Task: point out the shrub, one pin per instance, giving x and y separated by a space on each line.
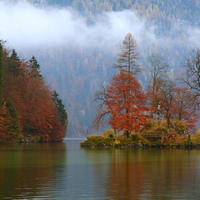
195 139
116 142
134 137
111 135
175 140
108 133
179 125
120 137
155 128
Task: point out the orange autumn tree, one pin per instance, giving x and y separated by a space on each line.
33 100
126 103
122 101
28 109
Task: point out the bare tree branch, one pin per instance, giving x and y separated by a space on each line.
192 75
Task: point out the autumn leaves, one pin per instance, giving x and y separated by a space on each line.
29 110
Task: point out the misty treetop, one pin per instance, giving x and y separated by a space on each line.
29 110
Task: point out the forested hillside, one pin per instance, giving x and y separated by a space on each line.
159 11
82 45
29 110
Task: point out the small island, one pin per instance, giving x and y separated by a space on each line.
142 140
165 115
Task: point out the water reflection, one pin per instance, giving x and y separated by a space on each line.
64 171
154 174
126 175
28 170
87 175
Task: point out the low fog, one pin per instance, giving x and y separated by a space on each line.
25 26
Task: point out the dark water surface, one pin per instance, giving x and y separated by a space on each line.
64 171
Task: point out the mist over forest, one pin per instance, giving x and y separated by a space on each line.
76 42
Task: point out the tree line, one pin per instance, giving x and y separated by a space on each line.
127 108
162 13
29 109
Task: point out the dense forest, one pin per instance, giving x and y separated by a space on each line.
79 65
160 12
29 110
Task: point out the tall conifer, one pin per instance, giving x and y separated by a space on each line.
62 114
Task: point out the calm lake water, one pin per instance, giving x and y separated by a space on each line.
63 171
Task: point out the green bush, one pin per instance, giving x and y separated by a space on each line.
134 137
108 133
111 135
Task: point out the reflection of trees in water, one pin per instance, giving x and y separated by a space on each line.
28 170
151 174
126 175
98 163
173 173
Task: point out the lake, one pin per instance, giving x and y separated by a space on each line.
64 171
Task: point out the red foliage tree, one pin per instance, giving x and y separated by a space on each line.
126 103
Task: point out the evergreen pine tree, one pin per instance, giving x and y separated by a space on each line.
62 113
35 67
14 63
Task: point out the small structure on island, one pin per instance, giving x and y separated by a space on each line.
158 115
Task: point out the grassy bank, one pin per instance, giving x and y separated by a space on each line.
143 141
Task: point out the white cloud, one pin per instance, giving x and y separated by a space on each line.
194 37
24 25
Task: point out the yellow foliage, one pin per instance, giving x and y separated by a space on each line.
116 142
195 139
179 125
